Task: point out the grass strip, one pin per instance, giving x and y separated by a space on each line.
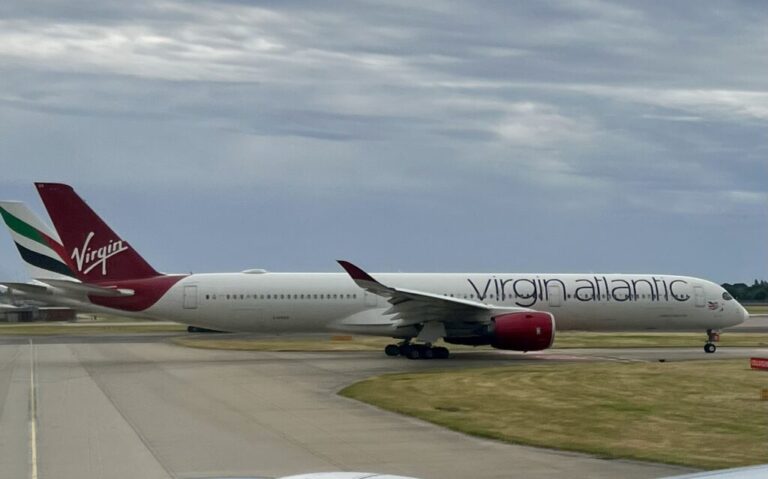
757 308
705 414
563 340
358 343
79 330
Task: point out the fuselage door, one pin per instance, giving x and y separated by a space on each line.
698 296
190 297
554 294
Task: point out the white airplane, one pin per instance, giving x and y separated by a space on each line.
89 267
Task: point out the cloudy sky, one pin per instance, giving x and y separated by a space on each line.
570 136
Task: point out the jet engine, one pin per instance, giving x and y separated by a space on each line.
524 331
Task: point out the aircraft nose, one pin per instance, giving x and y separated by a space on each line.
744 313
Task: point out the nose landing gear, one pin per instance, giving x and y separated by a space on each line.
712 337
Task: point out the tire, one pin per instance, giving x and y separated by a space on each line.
392 350
427 353
405 349
441 352
414 353
710 348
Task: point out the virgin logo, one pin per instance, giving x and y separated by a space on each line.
89 258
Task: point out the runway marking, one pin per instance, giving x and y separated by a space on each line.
32 413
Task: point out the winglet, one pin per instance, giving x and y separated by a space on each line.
363 279
356 273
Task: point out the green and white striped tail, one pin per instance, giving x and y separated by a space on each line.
38 245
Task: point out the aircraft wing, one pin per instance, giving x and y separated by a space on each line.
415 307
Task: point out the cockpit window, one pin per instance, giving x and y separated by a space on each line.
727 296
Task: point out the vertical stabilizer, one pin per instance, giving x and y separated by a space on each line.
95 252
39 246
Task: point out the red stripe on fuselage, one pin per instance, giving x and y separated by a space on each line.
147 292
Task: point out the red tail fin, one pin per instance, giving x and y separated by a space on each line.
97 253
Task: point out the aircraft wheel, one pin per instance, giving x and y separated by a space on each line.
441 352
413 353
392 350
405 349
710 348
427 353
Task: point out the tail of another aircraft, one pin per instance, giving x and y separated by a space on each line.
94 252
38 245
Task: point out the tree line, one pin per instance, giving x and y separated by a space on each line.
757 291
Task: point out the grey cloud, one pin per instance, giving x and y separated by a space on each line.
548 109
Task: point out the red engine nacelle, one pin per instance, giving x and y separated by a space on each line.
524 331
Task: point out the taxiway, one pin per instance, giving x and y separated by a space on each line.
127 406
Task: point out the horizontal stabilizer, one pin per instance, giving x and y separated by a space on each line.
91 289
30 288
71 287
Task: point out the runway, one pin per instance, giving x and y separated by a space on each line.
133 406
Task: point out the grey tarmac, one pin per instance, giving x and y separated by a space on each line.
128 406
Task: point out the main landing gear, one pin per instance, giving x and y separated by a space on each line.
416 351
712 338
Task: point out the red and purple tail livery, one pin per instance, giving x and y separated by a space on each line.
96 252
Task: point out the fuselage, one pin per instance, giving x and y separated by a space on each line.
321 302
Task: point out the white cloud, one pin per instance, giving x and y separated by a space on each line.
709 102
534 125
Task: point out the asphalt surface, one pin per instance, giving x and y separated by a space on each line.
136 406
757 323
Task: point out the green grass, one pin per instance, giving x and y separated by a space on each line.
563 340
757 308
698 413
357 343
47 329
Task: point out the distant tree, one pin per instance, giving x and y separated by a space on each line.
758 291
